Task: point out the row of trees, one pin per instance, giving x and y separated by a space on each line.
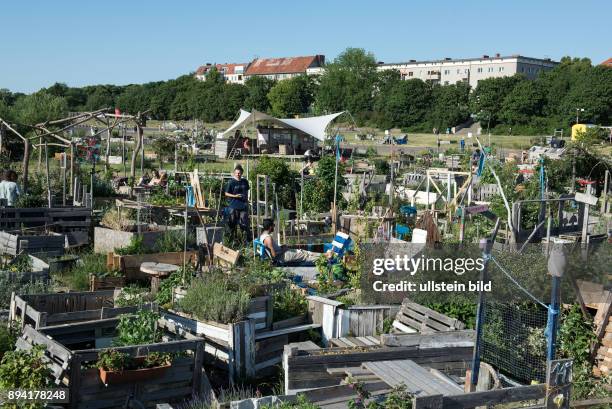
378 98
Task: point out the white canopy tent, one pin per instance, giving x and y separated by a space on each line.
313 126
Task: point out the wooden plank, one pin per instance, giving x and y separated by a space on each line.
299 328
435 340
488 398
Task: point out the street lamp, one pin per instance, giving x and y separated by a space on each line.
578 110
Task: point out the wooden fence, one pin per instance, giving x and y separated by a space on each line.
41 310
71 366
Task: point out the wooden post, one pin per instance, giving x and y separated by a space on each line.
39 153
47 172
556 267
604 202
26 163
559 384
488 246
428 402
123 151
108 146
137 147
585 220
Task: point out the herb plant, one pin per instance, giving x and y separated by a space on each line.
138 329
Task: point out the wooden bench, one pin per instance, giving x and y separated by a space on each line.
413 317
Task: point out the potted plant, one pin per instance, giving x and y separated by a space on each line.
117 367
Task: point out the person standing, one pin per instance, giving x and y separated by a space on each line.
9 189
237 191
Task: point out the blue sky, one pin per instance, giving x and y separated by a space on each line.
122 42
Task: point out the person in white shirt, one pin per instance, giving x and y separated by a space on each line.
285 255
9 189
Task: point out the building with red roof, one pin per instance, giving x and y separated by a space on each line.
233 73
287 67
607 63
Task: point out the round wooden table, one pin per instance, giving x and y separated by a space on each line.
157 271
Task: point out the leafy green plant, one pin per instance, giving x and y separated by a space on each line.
172 241
24 370
20 264
132 296
77 278
216 299
137 329
8 337
136 246
167 286
289 303
155 359
113 360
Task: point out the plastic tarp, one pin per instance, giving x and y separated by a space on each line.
314 126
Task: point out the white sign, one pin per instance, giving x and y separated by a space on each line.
586 198
419 236
115 160
470 135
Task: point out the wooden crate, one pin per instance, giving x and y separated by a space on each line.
105 283
71 366
41 310
414 317
339 320
130 265
247 348
15 243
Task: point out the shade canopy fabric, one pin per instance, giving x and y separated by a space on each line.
313 126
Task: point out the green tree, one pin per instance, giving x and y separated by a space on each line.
280 175
319 190
404 105
486 100
523 103
450 105
348 83
39 107
258 88
291 97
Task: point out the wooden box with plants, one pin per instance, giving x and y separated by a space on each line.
41 310
24 274
129 360
168 248
235 314
118 232
29 241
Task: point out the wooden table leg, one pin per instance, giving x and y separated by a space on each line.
155 284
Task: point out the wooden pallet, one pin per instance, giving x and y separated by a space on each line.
413 317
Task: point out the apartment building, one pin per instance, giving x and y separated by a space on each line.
470 70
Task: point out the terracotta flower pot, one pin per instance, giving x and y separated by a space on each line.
132 375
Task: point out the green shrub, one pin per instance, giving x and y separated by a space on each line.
132 296
24 370
216 299
172 241
167 286
137 329
136 246
77 278
8 286
8 337
289 303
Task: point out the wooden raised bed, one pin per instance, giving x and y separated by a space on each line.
41 310
15 243
73 221
339 320
107 240
71 350
40 272
244 349
308 369
130 265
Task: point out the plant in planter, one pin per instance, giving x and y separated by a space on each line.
8 337
117 367
138 329
216 299
132 296
288 304
175 280
136 246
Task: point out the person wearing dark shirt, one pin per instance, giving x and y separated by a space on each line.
237 191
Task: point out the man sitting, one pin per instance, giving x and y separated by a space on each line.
284 255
